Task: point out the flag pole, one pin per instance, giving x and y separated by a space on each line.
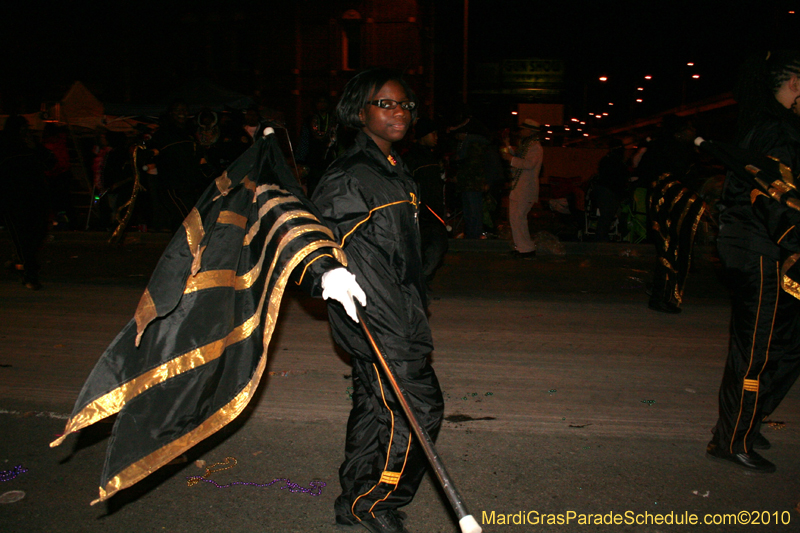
466 521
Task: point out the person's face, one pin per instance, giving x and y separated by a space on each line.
179 114
251 117
793 85
386 126
687 135
430 139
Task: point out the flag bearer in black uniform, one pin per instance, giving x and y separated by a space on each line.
370 201
754 241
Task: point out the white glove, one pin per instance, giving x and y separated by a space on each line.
341 285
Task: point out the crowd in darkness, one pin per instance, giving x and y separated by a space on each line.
466 173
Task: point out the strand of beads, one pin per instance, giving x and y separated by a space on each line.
8 475
230 462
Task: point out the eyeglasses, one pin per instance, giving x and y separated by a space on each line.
385 103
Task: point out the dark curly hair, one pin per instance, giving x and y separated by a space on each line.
760 78
359 90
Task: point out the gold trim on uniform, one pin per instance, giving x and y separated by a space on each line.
370 214
303 274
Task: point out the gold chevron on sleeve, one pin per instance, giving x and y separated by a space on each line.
751 385
392 478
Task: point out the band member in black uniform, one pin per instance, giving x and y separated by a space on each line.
673 209
764 352
369 200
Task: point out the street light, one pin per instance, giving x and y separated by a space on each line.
603 78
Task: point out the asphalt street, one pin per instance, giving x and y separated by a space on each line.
567 401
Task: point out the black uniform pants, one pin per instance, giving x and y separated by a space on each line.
384 463
764 352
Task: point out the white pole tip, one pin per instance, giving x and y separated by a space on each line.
469 525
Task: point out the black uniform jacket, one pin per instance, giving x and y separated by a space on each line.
762 227
372 208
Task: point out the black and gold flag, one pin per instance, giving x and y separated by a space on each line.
674 212
192 357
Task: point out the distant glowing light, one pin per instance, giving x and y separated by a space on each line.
640 88
547 138
550 132
648 77
605 114
611 103
689 64
791 12
585 134
639 100
583 123
591 114
603 78
696 76
575 120
514 113
566 128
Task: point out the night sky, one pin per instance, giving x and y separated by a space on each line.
48 45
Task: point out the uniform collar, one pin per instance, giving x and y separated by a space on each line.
368 146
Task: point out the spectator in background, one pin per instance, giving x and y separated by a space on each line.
317 146
526 164
180 179
426 168
610 187
59 178
213 159
23 204
471 178
117 178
